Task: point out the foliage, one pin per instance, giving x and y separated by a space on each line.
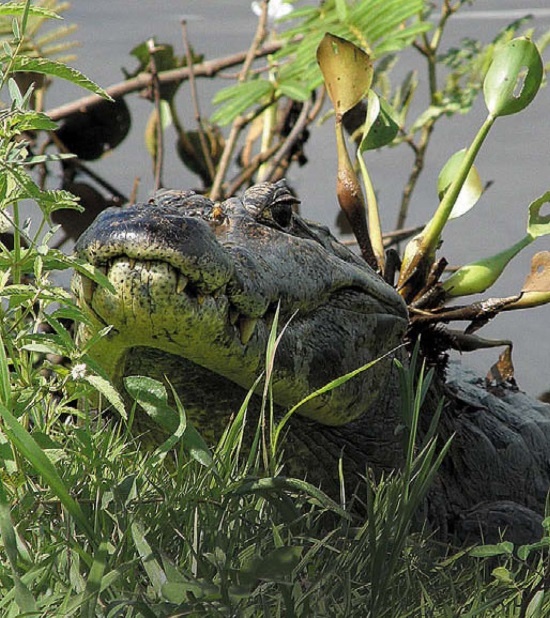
92 523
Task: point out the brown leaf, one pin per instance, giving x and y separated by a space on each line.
503 370
538 280
347 71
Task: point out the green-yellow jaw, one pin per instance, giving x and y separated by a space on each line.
201 282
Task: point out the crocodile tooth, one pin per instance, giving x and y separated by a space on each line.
88 287
201 298
233 315
181 284
131 263
220 291
246 328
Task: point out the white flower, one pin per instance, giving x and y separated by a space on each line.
78 371
276 10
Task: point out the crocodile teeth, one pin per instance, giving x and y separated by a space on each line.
88 287
233 316
181 284
131 263
246 328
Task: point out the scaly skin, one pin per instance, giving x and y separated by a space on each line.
196 286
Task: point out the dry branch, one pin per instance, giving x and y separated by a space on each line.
209 68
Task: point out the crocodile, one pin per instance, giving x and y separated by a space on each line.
195 287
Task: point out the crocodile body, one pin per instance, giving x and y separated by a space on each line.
196 288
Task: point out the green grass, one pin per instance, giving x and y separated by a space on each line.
94 523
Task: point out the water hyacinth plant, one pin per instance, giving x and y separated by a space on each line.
512 81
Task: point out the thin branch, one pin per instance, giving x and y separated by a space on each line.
302 121
158 156
194 97
215 192
248 172
209 68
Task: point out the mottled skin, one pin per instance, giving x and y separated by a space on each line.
196 287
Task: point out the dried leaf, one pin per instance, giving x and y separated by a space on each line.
538 280
347 71
503 370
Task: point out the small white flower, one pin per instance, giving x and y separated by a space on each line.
276 10
78 371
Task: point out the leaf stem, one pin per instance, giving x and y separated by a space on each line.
435 226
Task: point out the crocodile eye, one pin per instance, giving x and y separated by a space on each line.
281 213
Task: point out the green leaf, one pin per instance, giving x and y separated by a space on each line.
57 69
342 9
488 551
152 127
503 575
347 71
538 225
381 125
281 483
12 8
152 567
28 447
151 395
240 98
8 534
110 393
294 90
514 77
471 190
94 580
276 566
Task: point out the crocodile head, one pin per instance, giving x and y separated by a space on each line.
201 281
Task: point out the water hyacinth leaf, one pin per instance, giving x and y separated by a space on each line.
538 280
347 71
538 225
478 276
536 289
381 125
514 77
471 190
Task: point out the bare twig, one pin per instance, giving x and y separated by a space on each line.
301 123
209 68
248 172
159 147
225 160
204 145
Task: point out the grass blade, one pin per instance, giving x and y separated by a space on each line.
27 446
